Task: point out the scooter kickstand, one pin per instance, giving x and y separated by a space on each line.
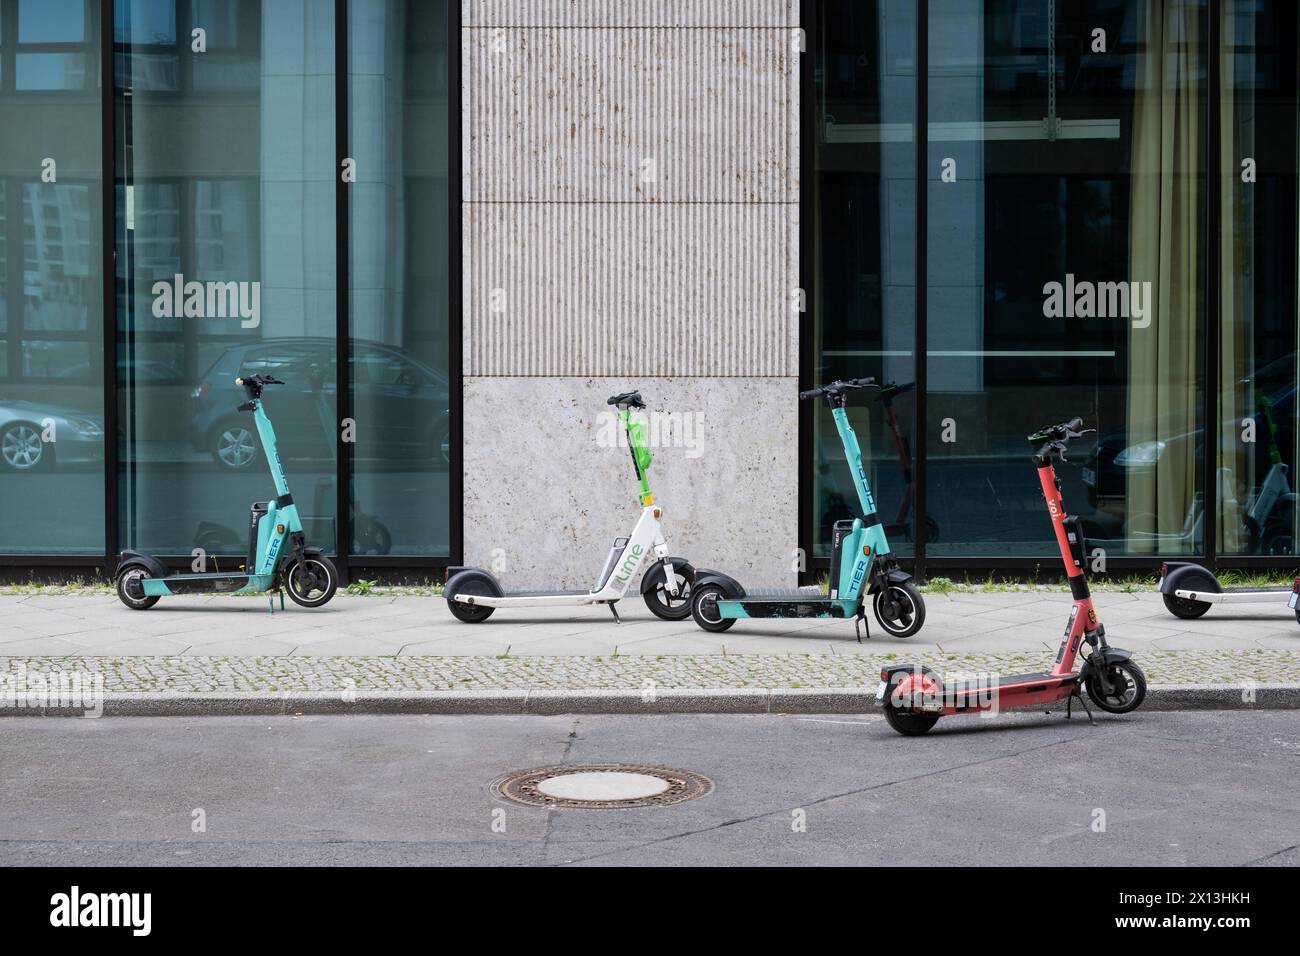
1069 701
613 610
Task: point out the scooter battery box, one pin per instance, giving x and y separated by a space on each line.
255 516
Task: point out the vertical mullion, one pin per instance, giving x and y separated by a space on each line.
1213 315
343 342
108 311
455 353
808 344
921 344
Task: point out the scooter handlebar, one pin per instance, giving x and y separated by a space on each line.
838 387
1054 438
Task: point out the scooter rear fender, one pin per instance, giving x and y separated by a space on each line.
155 567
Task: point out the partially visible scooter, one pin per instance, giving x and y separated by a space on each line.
914 698
1190 590
473 593
278 555
901 525
861 562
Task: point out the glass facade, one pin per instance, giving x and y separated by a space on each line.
1080 257
224 249
400 308
51 284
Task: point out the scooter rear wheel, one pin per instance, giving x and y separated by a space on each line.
1185 608
909 723
469 613
129 590
312 582
704 608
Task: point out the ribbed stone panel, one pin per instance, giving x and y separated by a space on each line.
598 289
629 13
655 115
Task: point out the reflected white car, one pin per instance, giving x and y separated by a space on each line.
34 435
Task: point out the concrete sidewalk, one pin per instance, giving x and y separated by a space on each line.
959 623
406 654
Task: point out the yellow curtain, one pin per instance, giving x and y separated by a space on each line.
1164 241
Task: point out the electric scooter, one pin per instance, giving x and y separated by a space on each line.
901 525
1190 590
914 698
473 593
860 561
310 578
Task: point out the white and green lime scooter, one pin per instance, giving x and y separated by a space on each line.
278 555
473 593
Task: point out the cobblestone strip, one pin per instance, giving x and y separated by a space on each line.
137 675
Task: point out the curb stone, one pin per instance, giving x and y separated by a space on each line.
1163 697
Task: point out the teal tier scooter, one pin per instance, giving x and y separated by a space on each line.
278 556
861 562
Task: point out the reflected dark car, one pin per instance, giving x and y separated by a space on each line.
400 404
78 437
1108 469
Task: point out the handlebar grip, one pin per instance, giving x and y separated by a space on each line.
1074 424
811 393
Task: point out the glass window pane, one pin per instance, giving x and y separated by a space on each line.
400 278
225 266
51 21
1259 203
51 291
1066 267
864 253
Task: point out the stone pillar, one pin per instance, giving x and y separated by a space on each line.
630 221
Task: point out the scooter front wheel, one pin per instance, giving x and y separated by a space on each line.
900 609
130 588
311 582
1130 688
664 605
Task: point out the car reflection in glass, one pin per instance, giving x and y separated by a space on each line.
34 436
1267 511
404 403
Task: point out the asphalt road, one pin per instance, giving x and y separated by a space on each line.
1175 788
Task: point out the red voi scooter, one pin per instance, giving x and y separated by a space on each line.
914 698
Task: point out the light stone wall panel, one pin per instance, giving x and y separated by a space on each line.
629 13
546 493
638 116
601 289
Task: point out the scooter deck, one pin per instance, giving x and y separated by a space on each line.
1032 687
792 602
532 594
211 582
1235 594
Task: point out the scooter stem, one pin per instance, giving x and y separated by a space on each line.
1056 508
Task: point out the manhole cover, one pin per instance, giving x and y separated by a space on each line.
602 786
